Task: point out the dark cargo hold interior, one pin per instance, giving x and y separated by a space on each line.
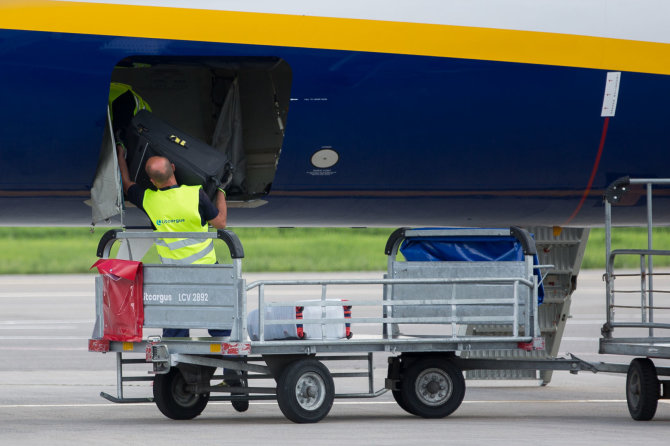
237 105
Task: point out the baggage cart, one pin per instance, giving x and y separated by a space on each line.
638 308
416 322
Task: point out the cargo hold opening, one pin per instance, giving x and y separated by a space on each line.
238 105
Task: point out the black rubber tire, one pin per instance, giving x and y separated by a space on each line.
642 389
240 405
397 394
398 397
173 400
305 391
432 388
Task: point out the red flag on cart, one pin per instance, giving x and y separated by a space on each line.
123 306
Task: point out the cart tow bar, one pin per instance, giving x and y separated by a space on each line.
573 364
582 365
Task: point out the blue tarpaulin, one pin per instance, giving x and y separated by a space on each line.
467 249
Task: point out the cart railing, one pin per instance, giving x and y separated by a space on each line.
227 236
448 299
185 296
649 302
638 293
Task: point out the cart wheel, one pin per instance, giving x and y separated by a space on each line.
397 395
172 398
305 391
642 389
240 405
432 388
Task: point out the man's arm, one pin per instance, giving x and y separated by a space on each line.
219 222
123 166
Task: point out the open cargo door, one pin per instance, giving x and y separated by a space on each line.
228 136
238 105
107 192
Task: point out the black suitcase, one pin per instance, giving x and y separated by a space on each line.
196 163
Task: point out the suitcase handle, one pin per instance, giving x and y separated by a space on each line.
177 140
213 183
210 187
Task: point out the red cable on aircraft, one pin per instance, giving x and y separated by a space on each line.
593 172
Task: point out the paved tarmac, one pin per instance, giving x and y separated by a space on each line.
50 385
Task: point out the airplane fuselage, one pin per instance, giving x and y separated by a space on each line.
438 113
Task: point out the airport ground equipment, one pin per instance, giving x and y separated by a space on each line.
429 299
416 323
564 251
638 307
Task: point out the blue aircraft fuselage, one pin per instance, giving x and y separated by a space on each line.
421 140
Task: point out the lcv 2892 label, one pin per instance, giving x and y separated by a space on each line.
193 297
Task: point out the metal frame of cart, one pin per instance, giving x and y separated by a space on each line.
451 294
643 386
424 370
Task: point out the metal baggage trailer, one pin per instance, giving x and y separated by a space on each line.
646 334
425 375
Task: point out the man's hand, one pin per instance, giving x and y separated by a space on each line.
220 201
123 167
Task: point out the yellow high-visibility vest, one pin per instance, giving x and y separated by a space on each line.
116 89
176 210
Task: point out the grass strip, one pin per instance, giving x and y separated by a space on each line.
72 250
625 238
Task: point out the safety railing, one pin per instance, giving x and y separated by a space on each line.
450 302
637 290
649 301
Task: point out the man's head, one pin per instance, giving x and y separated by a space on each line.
160 171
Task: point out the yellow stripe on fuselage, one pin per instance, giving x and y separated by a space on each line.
339 34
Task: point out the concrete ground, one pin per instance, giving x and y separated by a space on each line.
50 385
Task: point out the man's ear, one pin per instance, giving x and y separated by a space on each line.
173 168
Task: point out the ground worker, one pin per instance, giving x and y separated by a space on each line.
175 208
171 207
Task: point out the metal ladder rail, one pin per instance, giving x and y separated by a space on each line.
564 250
